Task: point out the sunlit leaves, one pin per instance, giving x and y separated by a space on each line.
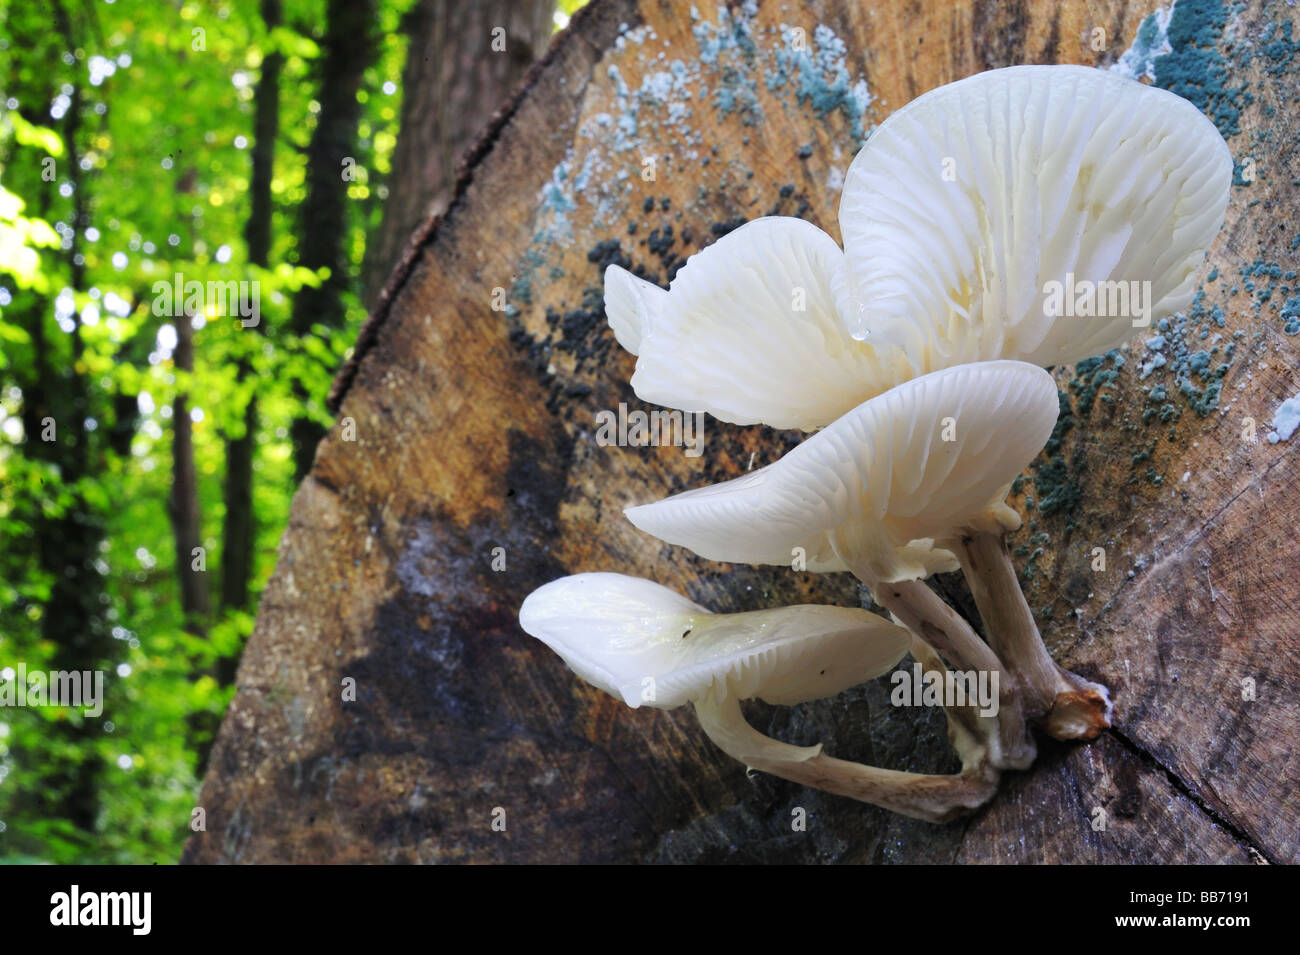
29 134
289 43
20 240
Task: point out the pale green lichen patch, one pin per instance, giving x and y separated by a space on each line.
1237 67
658 118
820 76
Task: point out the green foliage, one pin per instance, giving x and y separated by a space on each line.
567 8
125 143
20 241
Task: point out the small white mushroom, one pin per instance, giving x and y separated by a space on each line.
966 204
749 331
648 645
932 458
871 490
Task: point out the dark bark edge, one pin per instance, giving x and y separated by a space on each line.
428 230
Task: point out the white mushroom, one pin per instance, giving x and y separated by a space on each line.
967 204
932 458
974 220
749 331
647 645
1041 214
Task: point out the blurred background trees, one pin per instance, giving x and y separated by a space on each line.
149 449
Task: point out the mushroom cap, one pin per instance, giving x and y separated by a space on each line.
967 201
749 330
878 478
631 305
956 215
616 632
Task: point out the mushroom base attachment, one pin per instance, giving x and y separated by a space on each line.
1081 713
1065 704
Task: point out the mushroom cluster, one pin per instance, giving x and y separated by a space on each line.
1018 219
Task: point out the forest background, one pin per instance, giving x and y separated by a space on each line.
200 201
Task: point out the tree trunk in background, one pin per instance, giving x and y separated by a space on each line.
240 526
323 223
67 543
239 531
184 504
67 546
452 83
474 441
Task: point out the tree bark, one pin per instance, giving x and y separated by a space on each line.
390 709
452 83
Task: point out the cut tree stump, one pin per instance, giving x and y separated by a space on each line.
1160 547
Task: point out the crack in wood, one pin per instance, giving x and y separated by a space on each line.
1182 788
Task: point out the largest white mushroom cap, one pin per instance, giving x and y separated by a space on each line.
749 331
646 644
923 460
967 201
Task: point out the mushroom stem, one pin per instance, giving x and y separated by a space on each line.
932 797
1064 703
922 612
968 731
919 609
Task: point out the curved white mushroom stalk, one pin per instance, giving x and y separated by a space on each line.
914 604
650 646
968 729
749 331
977 216
928 796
